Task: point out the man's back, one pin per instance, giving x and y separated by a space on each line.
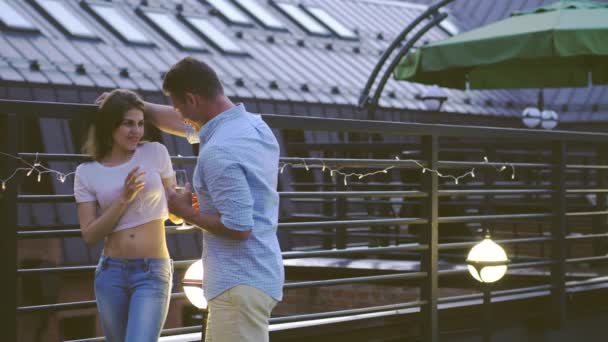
236 176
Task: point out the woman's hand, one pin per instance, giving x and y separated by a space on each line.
133 185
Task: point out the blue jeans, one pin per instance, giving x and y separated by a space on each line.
133 297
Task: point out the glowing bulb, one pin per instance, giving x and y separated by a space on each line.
384 171
323 169
485 159
3 186
397 157
513 176
503 168
473 174
361 176
36 164
39 177
456 181
487 251
332 173
62 178
306 167
193 280
282 168
424 170
345 182
30 172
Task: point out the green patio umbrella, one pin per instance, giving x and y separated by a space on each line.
564 44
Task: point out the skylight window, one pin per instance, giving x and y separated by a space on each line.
13 20
230 12
116 22
62 17
303 19
214 36
173 30
261 14
333 24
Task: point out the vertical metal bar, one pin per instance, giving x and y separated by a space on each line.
341 209
430 236
341 204
8 231
600 222
558 233
487 312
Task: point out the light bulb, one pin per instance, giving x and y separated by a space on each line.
487 251
195 293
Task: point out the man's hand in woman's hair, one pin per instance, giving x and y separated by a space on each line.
101 98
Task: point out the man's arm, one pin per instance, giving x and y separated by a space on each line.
214 225
165 118
162 116
181 205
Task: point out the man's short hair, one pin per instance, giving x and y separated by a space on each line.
192 76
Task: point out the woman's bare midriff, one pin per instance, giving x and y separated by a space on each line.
144 241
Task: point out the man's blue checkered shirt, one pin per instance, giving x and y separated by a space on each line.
236 176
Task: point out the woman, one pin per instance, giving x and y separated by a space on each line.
127 181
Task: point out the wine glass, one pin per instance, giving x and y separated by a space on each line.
181 179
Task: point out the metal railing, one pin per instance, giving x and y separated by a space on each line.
427 196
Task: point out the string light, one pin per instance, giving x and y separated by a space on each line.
455 179
36 166
41 169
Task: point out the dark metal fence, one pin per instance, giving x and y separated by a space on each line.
557 170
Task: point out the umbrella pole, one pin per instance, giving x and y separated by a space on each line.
541 100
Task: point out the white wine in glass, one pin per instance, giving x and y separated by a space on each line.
181 179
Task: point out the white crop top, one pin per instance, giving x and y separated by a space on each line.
103 184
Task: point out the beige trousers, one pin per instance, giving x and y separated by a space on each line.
239 314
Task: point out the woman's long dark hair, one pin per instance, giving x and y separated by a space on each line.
109 116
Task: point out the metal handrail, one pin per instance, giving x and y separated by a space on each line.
68 110
349 162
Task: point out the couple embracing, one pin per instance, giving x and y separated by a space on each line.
127 192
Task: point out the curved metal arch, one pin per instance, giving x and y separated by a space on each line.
431 10
406 48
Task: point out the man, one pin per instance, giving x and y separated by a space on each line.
235 180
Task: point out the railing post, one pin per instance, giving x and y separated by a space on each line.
341 214
558 233
8 232
430 237
600 222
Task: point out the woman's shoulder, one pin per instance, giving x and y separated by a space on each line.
86 166
87 169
